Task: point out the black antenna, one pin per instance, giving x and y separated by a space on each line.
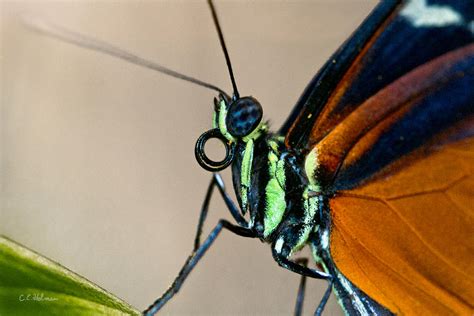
224 48
78 39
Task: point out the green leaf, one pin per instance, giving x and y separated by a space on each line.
31 284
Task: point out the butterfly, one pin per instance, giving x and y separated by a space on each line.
372 169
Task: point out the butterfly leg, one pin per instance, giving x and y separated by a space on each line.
216 181
301 289
301 293
324 300
192 261
199 249
281 255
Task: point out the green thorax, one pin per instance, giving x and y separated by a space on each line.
262 181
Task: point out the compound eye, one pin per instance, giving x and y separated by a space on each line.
243 116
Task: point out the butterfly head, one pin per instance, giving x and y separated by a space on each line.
236 120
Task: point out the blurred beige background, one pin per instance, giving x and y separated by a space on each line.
97 163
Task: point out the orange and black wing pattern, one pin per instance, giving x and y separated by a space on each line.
392 135
406 238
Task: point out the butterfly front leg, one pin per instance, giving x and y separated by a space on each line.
200 248
234 211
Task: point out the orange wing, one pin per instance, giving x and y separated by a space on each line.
407 238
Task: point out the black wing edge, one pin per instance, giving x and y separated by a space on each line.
353 301
325 81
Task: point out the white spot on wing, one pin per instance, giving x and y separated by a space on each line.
420 14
